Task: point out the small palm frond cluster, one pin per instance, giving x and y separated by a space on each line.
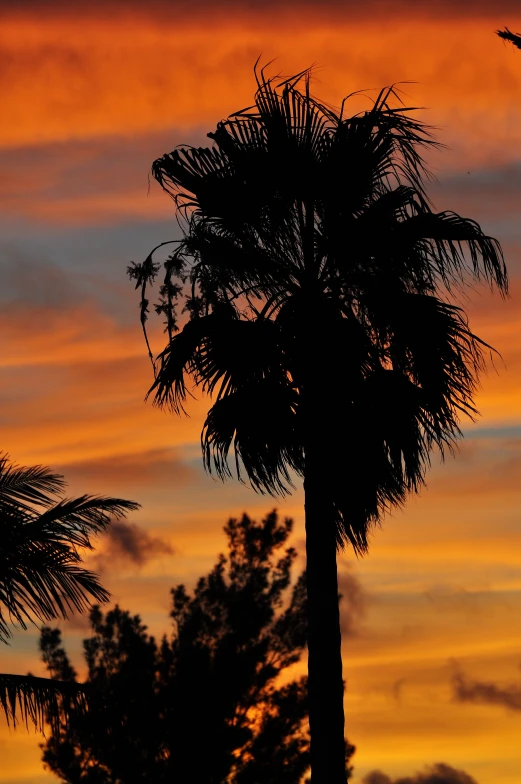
317 279
507 35
40 573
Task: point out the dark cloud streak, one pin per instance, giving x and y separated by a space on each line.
127 542
440 773
486 692
185 8
155 467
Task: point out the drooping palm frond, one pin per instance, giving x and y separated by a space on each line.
259 422
78 518
41 576
41 701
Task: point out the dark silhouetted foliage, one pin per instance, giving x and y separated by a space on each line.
203 705
513 38
317 279
41 573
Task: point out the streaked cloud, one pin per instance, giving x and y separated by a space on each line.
491 192
154 466
492 467
123 77
101 180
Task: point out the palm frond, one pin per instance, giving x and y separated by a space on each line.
26 486
452 240
507 35
40 701
76 519
177 361
259 422
41 576
43 583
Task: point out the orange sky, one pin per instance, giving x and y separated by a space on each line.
89 100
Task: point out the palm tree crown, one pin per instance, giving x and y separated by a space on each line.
317 278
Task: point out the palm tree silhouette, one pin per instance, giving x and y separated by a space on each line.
316 277
41 577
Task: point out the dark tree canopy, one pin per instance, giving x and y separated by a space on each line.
204 704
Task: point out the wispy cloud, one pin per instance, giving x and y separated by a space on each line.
150 467
83 182
353 605
466 689
127 543
72 387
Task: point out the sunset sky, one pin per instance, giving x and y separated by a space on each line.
90 97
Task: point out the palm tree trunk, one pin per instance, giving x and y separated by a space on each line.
325 684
